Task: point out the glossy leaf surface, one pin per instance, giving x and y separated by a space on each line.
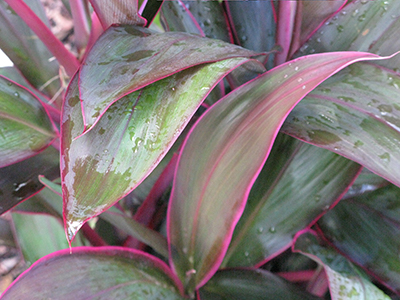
177 17
371 26
117 12
39 235
97 273
355 114
366 229
235 137
25 50
345 280
25 127
127 58
134 134
242 284
20 181
296 185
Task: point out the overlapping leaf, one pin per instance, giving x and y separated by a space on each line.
296 185
345 280
235 137
25 127
127 58
134 134
371 26
96 273
355 114
242 284
366 227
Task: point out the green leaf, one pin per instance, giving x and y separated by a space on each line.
366 228
287 197
39 235
227 148
355 114
242 284
96 273
345 280
176 17
127 58
26 51
128 142
25 127
371 26
20 181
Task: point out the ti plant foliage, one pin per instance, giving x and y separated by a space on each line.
203 149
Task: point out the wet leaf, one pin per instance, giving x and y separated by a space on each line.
26 51
355 114
345 280
177 17
371 26
296 185
20 181
97 273
366 228
235 137
25 127
127 58
128 142
242 284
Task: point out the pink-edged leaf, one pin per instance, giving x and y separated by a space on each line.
355 114
117 12
371 26
224 154
127 58
134 134
286 198
285 28
346 281
27 53
96 273
244 284
366 228
20 181
25 127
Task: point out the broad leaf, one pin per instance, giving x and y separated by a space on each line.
20 181
345 280
106 163
117 12
371 26
96 273
39 235
366 228
242 284
26 51
25 127
355 114
296 185
127 58
235 136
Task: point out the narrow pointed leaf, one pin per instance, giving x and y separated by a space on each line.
25 50
25 127
366 228
234 138
20 181
242 284
356 114
177 17
345 280
117 12
96 273
286 198
127 58
106 163
371 26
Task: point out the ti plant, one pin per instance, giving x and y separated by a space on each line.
203 149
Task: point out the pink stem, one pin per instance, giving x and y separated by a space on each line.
298 276
64 57
92 236
81 24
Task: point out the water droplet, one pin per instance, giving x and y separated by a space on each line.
385 157
173 89
246 254
361 18
300 79
185 250
364 1
303 87
355 12
317 198
340 28
260 230
296 68
272 229
343 12
318 40
358 144
9 83
16 94
244 38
